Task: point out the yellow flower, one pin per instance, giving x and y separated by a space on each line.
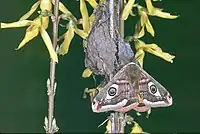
140 56
62 8
38 25
108 127
91 92
85 16
72 26
21 23
127 9
68 36
31 11
151 48
143 23
136 129
86 73
32 31
64 47
158 12
93 3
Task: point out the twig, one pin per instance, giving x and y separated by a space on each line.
121 21
118 119
52 127
118 122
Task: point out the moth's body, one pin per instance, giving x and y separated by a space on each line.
127 86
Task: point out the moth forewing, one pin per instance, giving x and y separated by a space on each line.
161 98
126 79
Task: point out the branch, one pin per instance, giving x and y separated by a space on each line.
51 84
121 21
118 122
118 119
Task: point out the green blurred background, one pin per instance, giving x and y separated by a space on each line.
23 75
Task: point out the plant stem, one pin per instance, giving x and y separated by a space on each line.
117 119
121 21
118 122
52 86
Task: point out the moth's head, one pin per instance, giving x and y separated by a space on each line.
110 97
153 93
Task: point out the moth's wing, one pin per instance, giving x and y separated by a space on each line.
125 82
150 91
133 72
145 74
121 81
130 72
137 74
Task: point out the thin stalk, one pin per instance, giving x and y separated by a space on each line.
112 14
117 119
121 21
112 11
52 86
122 117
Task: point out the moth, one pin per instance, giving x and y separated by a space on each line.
127 86
130 88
